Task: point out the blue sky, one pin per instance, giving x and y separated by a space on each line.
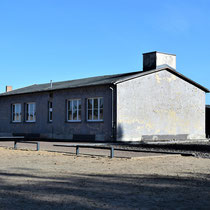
63 40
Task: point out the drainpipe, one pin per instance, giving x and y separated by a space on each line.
113 134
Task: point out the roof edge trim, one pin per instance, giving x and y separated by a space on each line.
167 68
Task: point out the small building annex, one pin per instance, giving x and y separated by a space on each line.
157 103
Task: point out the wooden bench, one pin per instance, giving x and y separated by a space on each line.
94 146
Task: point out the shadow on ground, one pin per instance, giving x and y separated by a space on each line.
99 191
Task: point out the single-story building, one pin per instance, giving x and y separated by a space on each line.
157 103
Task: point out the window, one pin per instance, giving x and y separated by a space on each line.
74 110
30 112
50 110
95 108
16 112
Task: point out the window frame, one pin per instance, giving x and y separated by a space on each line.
50 110
95 120
14 113
67 110
34 112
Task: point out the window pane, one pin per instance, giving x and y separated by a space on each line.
79 110
20 112
70 105
74 109
101 108
74 104
95 116
50 110
89 114
27 111
69 115
101 103
79 114
101 114
31 109
74 114
13 112
89 103
17 117
50 116
34 108
16 108
95 103
79 104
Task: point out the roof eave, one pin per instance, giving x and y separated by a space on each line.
51 90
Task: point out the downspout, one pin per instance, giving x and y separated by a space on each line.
113 126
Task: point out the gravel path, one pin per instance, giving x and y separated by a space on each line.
196 149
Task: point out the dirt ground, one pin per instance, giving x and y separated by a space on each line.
53 180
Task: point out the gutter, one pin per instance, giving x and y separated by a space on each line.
113 122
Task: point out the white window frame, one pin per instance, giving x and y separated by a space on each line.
14 112
67 109
50 110
33 112
95 120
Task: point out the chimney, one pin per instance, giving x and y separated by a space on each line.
153 60
8 88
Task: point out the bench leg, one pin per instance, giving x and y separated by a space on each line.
15 145
37 146
111 152
77 150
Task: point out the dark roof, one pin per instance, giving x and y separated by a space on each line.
94 81
208 106
91 81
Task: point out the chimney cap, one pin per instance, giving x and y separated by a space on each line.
8 88
158 52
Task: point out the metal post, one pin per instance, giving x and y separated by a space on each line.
15 145
37 146
77 150
111 152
